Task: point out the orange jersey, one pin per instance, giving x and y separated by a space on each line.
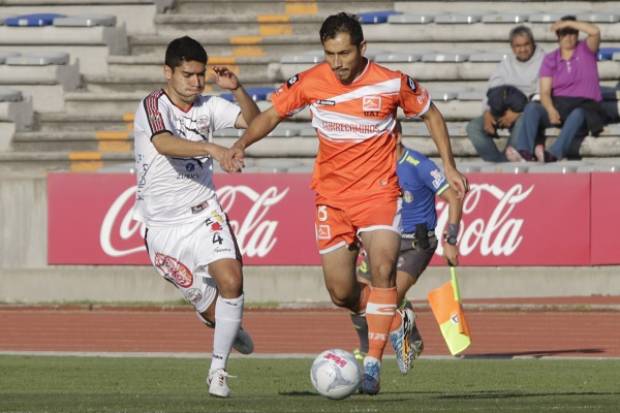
355 126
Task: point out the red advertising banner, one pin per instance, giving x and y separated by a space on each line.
524 219
90 219
605 195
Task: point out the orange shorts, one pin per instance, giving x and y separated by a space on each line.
336 227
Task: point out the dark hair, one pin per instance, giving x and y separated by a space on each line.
184 49
342 23
567 30
522 31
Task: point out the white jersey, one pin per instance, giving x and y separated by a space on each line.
171 190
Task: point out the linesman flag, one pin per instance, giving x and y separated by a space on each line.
445 302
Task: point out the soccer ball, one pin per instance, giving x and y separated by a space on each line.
335 374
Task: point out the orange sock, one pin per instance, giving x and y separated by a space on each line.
379 315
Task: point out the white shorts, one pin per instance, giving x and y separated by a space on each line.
181 254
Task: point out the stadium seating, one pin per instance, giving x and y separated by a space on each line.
89 39
120 47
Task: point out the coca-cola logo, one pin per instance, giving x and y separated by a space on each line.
256 234
497 233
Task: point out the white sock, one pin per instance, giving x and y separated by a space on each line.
228 313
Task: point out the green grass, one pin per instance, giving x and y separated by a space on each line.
72 384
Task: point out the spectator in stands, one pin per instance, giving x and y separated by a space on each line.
512 84
570 95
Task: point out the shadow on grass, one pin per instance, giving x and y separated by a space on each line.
541 353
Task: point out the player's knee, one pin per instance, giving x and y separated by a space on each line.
230 286
383 271
340 298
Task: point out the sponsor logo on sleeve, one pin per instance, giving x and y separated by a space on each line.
411 83
292 80
438 178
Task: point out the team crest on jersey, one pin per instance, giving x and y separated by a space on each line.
371 103
292 80
408 197
216 216
411 84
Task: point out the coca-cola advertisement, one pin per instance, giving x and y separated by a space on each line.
524 219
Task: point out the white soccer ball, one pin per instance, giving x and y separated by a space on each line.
335 374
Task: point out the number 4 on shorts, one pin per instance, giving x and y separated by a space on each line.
217 238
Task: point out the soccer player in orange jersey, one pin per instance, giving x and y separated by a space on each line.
353 102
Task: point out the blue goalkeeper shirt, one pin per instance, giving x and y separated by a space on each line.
420 180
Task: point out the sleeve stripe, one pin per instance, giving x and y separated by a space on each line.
442 189
155 119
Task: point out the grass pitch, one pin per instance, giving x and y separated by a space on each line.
91 384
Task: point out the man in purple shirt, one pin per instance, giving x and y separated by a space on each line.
570 94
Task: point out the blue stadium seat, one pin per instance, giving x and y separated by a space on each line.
257 93
607 53
374 17
32 20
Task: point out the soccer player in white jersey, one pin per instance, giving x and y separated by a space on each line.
188 237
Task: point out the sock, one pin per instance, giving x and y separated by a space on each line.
228 313
361 328
379 315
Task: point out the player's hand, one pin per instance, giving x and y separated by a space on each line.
554 116
217 152
233 159
451 254
457 181
508 119
226 79
488 123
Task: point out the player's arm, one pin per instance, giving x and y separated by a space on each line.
249 109
169 145
262 124
455 211
439 132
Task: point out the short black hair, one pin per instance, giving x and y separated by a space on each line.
562 32
342 23
184 49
